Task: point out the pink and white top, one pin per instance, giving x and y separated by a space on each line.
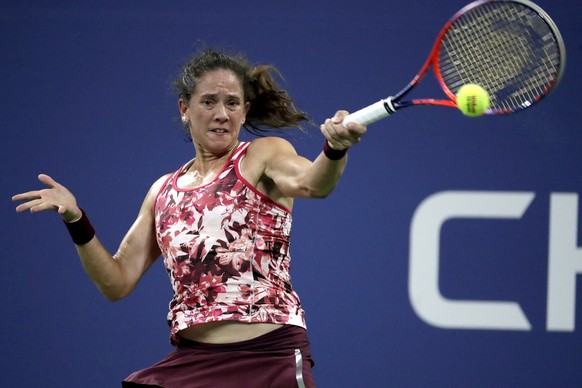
226 250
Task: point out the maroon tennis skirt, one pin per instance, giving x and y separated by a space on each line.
281 358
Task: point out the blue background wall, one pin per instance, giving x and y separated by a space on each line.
85 97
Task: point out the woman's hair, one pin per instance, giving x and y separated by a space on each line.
270 106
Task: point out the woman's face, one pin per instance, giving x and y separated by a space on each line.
215 111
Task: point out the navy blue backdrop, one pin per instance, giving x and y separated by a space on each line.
448 255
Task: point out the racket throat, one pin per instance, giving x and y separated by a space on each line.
388 105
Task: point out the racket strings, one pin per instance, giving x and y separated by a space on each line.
508 65
505 47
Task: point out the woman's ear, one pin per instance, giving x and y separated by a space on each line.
183 107
247 108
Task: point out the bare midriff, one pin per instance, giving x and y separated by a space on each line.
225 332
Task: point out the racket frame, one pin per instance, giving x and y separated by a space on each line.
391 104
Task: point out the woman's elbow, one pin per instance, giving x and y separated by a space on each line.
113 297
321 194
318 193
113 294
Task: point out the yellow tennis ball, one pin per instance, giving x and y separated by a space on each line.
472 100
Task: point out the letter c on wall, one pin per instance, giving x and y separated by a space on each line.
423 282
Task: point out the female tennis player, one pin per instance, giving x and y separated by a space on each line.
222 223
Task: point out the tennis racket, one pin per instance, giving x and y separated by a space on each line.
512 49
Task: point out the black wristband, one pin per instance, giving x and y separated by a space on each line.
81 231
332 154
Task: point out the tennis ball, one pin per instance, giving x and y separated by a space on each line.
472 100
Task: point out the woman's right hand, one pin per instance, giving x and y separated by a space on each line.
55 197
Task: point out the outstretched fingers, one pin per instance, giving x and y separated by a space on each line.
55 197
34 201
32 198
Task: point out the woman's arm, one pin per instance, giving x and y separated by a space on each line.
115 276
294 176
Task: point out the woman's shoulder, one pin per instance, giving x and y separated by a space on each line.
157 186
269 144
161 180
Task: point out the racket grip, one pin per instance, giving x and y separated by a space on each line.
371 113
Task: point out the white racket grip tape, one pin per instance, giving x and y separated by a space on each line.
371 113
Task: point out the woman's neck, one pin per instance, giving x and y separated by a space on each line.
206 161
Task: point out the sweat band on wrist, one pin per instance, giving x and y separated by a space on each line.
332 154
81 231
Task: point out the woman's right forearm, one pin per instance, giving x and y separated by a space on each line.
105 271
116 276
99 264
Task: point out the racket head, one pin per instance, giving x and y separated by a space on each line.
512 49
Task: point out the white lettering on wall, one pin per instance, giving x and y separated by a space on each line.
564 262
423 286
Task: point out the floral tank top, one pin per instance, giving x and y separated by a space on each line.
226 250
